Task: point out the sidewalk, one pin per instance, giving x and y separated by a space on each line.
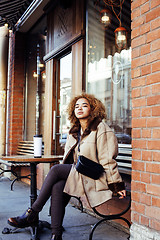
77 225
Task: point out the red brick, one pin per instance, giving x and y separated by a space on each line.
155 23
153 212
138 207
154 144
16 78
146 133
154 224
136 133
136 113
136 73
135 217
136 196
136 93
145 70
137 3
154 78
156 201
145 8
155 66
156 111
135 13
140 144
138 165
152 14
154 3
153 189
138 123
145 49
156 133
136 176
138 62
153 35
136 154
138 82
145 28
147 155
156 156
138 41
145 199
144 220
135 52
155 44
154 100
156 180
137 22
139 102
153 57
146 112
153 168
145 177
156 88
140 187
135 32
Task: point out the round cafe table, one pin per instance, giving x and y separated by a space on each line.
33 186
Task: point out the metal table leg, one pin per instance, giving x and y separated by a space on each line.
33 191
33 196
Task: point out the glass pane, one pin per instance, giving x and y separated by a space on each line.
35 80
65 94
109 69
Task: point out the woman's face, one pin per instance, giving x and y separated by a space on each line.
82 108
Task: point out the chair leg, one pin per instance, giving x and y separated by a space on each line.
18 178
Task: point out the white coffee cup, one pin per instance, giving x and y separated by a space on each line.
37 146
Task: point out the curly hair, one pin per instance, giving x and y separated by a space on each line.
97 108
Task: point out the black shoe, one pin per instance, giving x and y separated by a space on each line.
56 237
29 218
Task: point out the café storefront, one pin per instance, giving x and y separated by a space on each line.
65 50
61 48
76 52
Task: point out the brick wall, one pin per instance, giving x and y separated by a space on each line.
146 115
16 91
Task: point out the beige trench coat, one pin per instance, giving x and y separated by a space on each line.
101 146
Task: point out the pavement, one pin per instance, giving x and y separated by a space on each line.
77 224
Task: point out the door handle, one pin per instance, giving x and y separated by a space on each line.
54 125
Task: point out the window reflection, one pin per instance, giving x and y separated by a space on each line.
109 74
35 84
65 94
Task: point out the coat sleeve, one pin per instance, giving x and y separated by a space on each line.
107 150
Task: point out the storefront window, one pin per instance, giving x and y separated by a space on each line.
65 94
35 80
109 67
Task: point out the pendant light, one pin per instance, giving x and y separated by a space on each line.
105 17
120 37
120 32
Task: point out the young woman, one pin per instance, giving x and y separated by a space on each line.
92 138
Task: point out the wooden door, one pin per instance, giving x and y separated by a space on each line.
64 80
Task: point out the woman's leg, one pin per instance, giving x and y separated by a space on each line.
59 200
57 172
30 217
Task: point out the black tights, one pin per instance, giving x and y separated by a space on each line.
53 186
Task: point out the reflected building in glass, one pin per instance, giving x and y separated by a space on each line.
109 72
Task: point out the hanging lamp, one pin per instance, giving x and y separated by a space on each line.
105 17
120 32
120 37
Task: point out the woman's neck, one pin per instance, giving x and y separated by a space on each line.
84 124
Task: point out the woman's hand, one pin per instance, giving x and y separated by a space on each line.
122 194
